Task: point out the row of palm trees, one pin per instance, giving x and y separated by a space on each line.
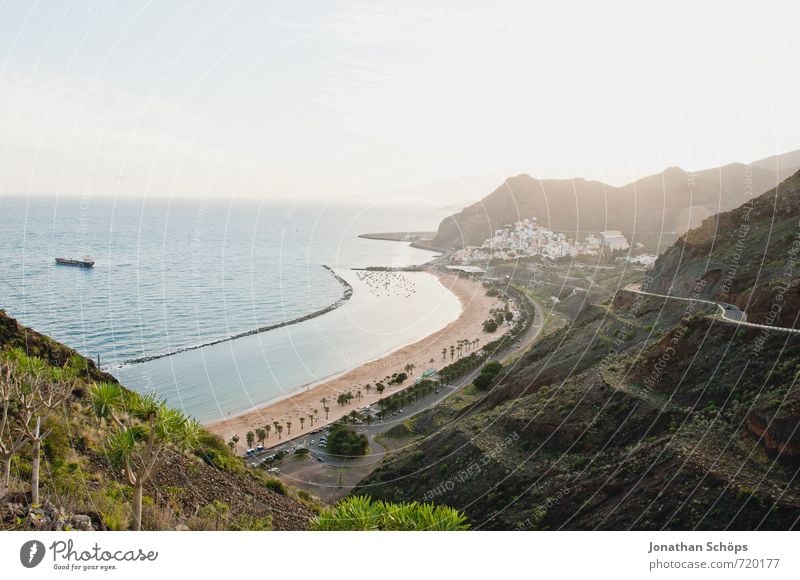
407 396
261 434
461 347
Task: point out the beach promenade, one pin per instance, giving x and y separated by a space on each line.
424 354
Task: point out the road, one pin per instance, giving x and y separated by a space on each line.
330 477
728 312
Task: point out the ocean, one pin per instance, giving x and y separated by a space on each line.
172 275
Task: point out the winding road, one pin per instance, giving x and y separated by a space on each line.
728 312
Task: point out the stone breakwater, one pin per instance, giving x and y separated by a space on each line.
347 293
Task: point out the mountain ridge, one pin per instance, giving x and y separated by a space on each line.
653 210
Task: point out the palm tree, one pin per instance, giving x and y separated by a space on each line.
233 442
261 435
275 424
279 430
288 427
302 423
327 410
358 395
368 388
324 401
380 388
250 438
311 418
452 352
409 368
316 412
267 429
139 443
444 353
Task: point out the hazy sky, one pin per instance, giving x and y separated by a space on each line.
346 98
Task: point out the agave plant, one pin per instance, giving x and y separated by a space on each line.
362 513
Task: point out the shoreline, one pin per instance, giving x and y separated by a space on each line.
346 295
475 307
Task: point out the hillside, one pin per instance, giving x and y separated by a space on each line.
747 256
206 488
643 413
653 210
577 437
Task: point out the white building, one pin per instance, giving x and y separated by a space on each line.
614 240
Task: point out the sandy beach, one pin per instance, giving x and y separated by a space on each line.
423 354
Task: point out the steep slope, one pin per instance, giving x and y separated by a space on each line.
644 413
207 489
595 431
747 256
653 210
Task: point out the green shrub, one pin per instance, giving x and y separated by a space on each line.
362 513
246 522
276 485
487 375
213 451
112 502
345 442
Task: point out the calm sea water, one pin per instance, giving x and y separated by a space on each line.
172 274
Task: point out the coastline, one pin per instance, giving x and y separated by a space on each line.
347 293
475 308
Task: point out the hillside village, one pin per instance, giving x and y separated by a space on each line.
526 238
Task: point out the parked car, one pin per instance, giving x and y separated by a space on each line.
250 453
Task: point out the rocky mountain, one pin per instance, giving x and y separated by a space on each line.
590 432
654 210
747 256
643 413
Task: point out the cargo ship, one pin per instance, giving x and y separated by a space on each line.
85 262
